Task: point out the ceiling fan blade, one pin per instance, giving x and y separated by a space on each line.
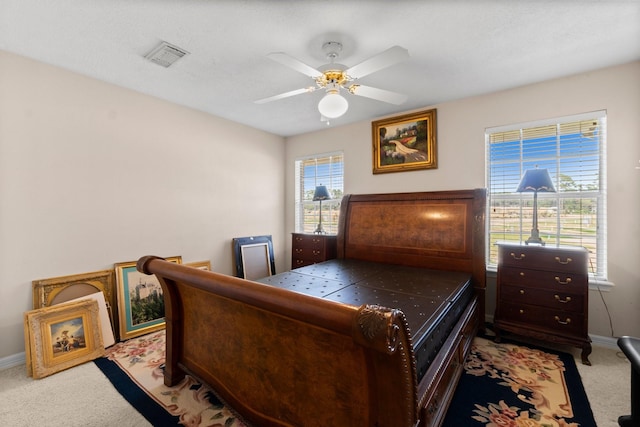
385 59
286 95
294 63
379 94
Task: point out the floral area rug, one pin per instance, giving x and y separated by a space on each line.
136 369
509 385
502 385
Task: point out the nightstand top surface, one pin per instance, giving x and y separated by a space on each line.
541 247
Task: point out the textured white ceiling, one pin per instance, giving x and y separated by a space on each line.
458 48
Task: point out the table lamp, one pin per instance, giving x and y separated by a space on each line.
535 180
320 194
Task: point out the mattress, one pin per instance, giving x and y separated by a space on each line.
431 300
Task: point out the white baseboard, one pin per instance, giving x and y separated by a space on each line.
608 342
13 360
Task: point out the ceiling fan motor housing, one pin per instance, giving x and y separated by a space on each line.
332 77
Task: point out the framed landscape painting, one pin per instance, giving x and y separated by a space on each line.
140 300
405 143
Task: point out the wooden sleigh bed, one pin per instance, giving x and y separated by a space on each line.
376 337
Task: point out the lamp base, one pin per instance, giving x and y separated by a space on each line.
535 241
319 230
534 238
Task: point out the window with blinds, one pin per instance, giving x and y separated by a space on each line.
573 151
322 169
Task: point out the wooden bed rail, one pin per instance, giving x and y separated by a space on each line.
264 350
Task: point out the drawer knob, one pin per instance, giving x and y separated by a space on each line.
521 311
566 322
567 261
565 282
518 257
564 301
316 252
521 291
298 250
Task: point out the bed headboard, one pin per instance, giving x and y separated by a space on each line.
443 230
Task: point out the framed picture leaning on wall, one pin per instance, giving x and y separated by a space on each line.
202 265
62 336
140 300
56 290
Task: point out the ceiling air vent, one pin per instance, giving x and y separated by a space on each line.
165 54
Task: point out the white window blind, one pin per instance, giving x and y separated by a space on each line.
573 150
322 169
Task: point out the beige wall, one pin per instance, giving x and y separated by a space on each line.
92 174
461 164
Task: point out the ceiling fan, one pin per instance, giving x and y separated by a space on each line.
334 78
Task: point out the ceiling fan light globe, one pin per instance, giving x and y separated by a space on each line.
333 105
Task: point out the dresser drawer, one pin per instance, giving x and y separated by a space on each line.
311 254
552 299
538 257
309 249
308 241
568 282
557 322
298 262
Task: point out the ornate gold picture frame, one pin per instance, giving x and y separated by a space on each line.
48 292
405 143
140 300
62 336
202 265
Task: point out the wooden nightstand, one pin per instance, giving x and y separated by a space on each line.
309 249
542 292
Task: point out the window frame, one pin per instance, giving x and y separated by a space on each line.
598 270
303 196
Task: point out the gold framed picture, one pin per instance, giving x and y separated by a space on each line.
47 292
405 143
202 265
140 300
62 336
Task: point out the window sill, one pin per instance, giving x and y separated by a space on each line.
600 285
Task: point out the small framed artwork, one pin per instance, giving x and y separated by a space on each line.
62 336
47 292
253 257
405 143
202 265
108 338
140 300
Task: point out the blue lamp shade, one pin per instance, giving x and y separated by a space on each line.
321 193
535 180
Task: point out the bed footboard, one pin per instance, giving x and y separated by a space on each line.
281 358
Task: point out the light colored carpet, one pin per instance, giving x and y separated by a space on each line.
79 397
83 396
607 383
